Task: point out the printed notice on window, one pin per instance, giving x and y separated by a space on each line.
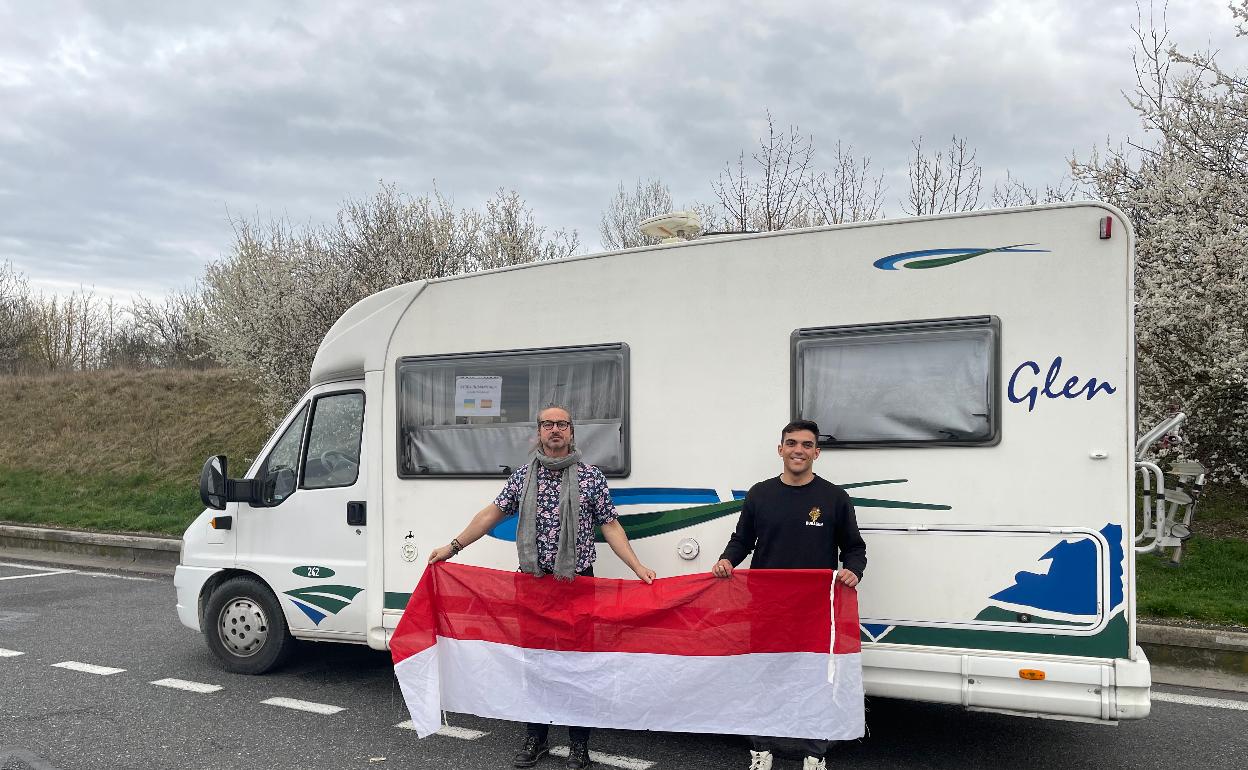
478 396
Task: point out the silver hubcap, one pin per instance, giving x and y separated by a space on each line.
243 628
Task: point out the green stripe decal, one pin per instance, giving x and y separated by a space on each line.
640 525
1110 642
331 598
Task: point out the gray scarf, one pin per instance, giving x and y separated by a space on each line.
569 516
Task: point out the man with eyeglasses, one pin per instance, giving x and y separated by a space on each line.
796 520
554 494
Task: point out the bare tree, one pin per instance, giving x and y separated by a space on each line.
618 228
777 198
1012 191
948 180
16 320
849 194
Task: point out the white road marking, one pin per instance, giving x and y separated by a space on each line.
182 684
114 577
303 705
628 763
88 668
448 731
68 572
1196 700
9 653
38 574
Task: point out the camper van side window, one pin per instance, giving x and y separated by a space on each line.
474 414
278 475
905 384
333 456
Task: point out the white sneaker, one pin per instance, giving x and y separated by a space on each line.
760 760
814 763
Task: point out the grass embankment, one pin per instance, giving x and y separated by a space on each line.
1211 583
119 451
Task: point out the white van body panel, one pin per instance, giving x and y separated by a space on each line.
982 560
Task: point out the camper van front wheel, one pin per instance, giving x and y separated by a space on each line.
245 627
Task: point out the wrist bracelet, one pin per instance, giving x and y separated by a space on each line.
455 546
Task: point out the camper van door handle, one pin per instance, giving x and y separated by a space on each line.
357 513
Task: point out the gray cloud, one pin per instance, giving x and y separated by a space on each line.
129 130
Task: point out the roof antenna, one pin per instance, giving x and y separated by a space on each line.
673 227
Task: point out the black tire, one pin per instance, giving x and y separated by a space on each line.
245 628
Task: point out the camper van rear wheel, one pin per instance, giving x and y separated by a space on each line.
245 628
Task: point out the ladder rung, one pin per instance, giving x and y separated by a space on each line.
1178 496
1187 468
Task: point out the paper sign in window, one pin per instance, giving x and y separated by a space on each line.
478 396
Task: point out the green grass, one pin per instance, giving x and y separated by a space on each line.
1210 586
134 503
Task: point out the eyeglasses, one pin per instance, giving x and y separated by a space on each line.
552 424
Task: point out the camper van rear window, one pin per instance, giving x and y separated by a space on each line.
475 414
930 383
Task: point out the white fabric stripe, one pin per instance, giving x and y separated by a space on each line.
419 680
628 763
9 653
88 668
183 684
1196 700
303 705
779 694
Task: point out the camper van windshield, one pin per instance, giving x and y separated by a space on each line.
475 414
909 383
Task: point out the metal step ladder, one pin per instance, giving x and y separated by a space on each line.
1167 509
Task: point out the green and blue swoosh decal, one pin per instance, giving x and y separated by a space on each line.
929 258
706 506
320 601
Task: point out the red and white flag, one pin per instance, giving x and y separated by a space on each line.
765 652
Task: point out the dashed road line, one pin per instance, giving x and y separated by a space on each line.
38 574
1196 700
88 668
9 653
303 705
627 763
448 731
183 684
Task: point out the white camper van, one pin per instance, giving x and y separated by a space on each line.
972 374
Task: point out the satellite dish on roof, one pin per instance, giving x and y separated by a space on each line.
672 227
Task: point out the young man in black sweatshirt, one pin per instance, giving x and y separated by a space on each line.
796 520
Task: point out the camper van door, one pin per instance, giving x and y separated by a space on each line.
306 536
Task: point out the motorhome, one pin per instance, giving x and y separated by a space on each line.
971 374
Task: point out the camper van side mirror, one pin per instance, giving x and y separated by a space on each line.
216 488
212 483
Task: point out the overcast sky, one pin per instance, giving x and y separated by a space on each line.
130 131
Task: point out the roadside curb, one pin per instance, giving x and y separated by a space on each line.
137 553
1214 658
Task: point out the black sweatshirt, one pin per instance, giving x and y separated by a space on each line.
798 528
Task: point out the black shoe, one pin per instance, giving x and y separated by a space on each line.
532 750
578 757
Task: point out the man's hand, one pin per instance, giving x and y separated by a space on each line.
847 577
722 569
441 553
644 573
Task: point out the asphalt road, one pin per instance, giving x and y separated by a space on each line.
64 717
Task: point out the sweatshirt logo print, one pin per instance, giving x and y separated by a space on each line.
814 515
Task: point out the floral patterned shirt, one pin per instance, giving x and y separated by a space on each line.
596 510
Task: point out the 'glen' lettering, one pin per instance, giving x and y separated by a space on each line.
1071 389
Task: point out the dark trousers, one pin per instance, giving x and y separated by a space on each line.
808 747
575 734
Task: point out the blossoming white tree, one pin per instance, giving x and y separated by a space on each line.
1186 191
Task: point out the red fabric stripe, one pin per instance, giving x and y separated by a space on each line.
754 611
848 638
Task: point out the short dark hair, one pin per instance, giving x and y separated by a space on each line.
797 425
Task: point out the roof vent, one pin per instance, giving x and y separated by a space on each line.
672 227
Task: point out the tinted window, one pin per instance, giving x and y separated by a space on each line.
906 383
